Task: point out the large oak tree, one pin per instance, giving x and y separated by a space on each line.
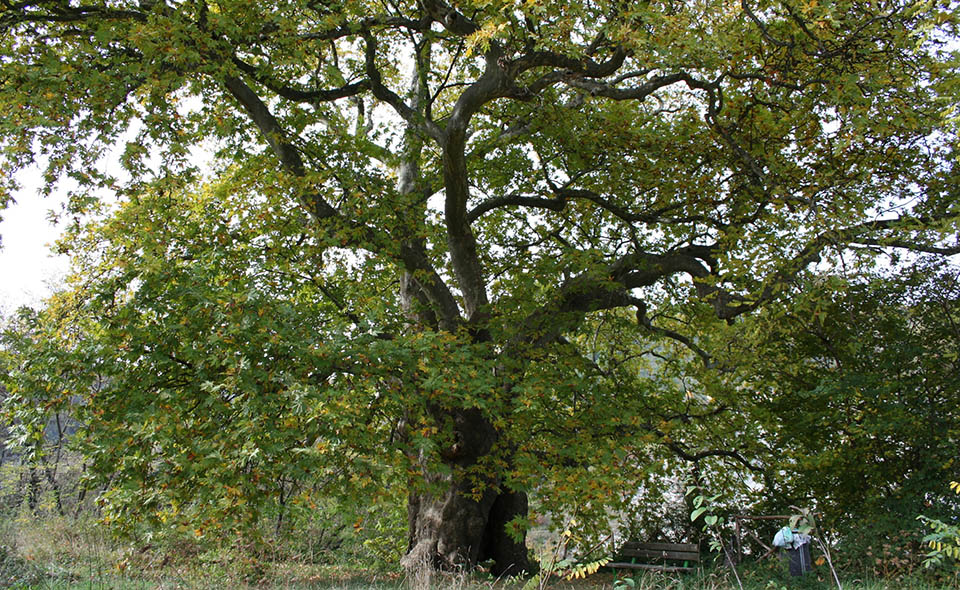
465 195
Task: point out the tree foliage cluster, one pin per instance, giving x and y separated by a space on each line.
850 403
462 252
875 396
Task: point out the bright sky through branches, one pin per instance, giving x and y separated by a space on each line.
27 266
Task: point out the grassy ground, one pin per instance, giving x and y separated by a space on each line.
61 554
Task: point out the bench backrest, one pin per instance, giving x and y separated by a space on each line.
650 552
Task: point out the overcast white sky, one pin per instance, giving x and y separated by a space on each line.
27 268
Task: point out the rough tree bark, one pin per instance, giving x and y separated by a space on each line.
449 527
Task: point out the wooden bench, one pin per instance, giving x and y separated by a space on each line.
663 557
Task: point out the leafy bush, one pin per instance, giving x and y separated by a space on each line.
944 540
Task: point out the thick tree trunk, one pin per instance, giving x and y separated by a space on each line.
455 531
509 556
450 527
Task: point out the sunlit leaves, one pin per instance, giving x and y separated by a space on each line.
578 189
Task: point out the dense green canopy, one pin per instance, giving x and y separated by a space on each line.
438 242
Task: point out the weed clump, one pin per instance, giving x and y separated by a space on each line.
15 570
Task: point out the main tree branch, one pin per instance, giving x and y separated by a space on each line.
297 94
412 117
413 258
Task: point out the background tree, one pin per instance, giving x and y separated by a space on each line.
839 397
479 182
857 392
37 468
